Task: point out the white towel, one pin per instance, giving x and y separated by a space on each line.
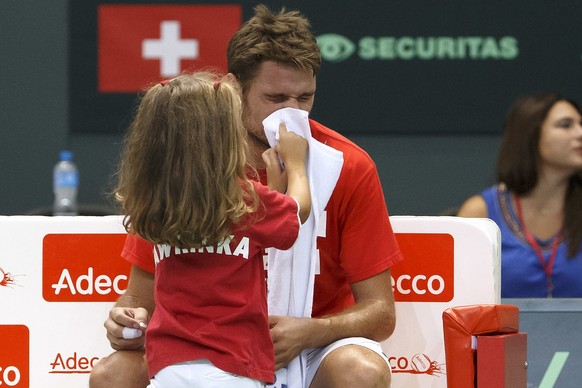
291 273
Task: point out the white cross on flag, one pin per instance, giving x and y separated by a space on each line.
141 44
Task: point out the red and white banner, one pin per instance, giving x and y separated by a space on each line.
14 355
59 276
140 44
448 261
430 276
83 267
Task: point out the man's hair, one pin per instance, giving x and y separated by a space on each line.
519 158
182 178
283 37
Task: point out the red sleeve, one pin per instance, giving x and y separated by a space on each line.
278 223
368 244
139 252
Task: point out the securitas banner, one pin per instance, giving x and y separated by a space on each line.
397 67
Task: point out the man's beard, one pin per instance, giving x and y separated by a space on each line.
257 142
256 146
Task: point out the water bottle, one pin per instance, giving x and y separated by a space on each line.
65 185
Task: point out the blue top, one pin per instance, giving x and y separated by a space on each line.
522 275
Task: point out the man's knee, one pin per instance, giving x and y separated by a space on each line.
351 366
372 371
127 369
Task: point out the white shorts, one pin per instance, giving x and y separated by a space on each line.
200 374
315 356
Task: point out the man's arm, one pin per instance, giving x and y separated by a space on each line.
372 316
134 306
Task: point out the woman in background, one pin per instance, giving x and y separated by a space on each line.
537 202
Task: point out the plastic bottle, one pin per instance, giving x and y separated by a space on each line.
65 185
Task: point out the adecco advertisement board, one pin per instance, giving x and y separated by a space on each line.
59 276
449 262
388 66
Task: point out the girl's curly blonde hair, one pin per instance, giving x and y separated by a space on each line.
182 178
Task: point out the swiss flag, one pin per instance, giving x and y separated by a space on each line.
140 44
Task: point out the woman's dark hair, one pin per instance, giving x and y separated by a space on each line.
519 158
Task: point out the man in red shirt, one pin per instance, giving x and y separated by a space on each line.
275 58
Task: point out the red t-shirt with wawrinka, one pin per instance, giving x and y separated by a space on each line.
358 243
211 302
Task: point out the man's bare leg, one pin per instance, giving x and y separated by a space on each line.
121 369
352 366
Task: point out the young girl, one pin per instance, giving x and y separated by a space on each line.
537 203
184 186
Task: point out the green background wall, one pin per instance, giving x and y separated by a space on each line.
422 173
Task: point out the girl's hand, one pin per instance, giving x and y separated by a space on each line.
276 176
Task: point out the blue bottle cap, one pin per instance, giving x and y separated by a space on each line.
66 155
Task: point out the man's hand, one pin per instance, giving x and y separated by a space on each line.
372 316
132 312
290 336
125 327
